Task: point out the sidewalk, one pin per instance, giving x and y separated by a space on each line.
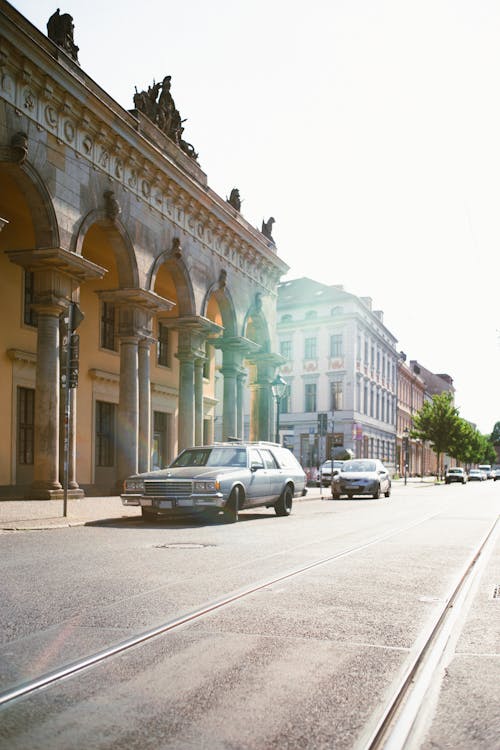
34 515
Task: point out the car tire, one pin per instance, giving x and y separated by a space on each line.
283 506
376 494
335 496
388 493
350 495
232 506
148 515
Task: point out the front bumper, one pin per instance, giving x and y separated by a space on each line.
162 505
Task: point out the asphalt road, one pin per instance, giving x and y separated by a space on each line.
304 662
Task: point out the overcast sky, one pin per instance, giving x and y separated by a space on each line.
369 129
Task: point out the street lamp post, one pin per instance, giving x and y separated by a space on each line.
279 387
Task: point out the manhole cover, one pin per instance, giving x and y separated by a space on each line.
182 545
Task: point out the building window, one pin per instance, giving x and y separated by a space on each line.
336 395
105 433
161 440
162 347
30 317
25 425
310 349
286 350
311 314
336 349
286 318
108 326
310 397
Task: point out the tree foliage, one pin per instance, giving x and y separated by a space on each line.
438 421
495 435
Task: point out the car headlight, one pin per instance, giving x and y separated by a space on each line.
211 485
134 485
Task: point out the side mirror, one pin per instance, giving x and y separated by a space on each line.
256 466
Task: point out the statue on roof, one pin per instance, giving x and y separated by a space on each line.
267 227
158 105
234 199
60 30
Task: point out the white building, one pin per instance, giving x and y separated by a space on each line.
341 368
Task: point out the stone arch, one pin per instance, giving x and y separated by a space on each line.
222 296
183 286
38 201
255 325
120 242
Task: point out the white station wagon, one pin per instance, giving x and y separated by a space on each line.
225 477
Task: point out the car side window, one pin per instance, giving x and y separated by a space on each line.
255 457
269 461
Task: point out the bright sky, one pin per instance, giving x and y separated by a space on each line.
370 130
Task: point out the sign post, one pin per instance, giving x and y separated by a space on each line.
69 380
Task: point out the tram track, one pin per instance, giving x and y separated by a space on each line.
402 716
398 721
73 668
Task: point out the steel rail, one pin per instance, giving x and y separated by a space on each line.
79 665
399 715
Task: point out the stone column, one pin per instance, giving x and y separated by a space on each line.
144 457
46 484
186 400
229 421
198 400
128 409
240 390
262 372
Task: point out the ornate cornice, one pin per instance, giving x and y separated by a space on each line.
65 103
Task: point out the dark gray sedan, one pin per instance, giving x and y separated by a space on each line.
223 477
362 476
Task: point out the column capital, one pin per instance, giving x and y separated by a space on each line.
57 259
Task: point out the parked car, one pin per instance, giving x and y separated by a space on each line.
476 475
486 468
361 476
496 473
456 474
325 472
223 477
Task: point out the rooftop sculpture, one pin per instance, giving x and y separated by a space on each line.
158 105
60 30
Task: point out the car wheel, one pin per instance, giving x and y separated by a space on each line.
232 506
335 496
376 494
283 506
388 493
148 515
350 495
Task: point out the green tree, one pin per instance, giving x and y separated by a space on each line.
495 435
439 423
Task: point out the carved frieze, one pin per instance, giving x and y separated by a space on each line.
37 96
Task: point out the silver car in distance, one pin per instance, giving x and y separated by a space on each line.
362 476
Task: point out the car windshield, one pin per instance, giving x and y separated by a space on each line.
219 456
351 466
455 471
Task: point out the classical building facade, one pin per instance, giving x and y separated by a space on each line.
341 369
107 214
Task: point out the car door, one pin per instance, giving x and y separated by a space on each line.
275 472
259 487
